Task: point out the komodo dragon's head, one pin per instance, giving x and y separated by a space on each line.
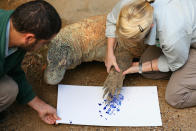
58 58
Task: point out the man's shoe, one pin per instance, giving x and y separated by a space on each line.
3 115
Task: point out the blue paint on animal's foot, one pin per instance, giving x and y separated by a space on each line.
119 103
110 95
121 97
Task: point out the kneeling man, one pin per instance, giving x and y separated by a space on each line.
27 28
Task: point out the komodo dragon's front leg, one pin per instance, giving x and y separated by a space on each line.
114 81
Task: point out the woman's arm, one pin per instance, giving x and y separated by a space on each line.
174 57
111 20
110 59
146 67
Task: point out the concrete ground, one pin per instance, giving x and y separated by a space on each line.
23 118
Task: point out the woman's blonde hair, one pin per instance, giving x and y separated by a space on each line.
135 20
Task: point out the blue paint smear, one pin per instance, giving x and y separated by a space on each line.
101 115
70 122
99 111
99 104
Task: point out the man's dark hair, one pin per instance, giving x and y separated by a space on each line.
37 17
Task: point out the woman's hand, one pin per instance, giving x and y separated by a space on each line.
133 69
111 61
146 67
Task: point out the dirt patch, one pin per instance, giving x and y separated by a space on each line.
21 117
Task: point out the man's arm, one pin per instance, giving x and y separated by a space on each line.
26 96
46 112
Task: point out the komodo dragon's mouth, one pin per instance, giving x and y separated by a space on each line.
54 76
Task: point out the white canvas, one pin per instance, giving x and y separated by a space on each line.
84 105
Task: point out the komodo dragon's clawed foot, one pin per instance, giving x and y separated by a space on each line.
113 84
114 81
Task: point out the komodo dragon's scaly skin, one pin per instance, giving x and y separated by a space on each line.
83 42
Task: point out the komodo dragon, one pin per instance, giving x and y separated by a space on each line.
85 41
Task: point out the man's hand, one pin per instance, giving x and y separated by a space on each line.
46 112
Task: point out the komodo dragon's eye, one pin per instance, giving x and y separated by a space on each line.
58 52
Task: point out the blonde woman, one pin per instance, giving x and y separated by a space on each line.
169 27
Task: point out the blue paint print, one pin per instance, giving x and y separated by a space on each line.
105 107
70 122
108 111
111 107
